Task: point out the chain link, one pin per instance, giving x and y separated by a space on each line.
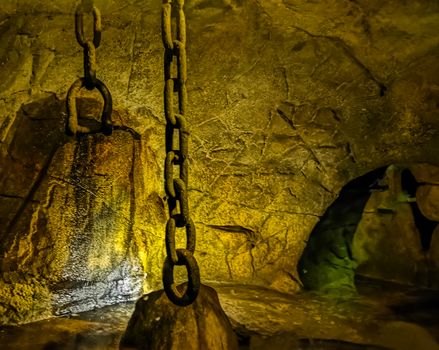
89 81
188 296
177 155
79 27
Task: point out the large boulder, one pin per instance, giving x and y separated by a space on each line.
157 324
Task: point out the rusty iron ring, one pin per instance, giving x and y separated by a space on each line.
170 238
73 127
79 27
193 286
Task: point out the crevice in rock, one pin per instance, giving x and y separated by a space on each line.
289 212
229 267
252 258
130 232
287 84
351 153
134 133
318 183
291 123
234 228
12 196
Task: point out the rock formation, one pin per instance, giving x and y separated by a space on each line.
288 101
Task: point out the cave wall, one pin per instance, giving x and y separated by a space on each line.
288 101
383 225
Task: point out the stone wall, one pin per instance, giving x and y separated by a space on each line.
289 100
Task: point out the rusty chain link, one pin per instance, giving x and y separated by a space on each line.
89 81
177 155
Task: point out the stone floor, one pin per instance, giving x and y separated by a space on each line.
382 316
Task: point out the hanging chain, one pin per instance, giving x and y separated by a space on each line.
89 81
177 155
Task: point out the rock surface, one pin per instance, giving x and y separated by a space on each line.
392 241
158 324
427 197
382 313
405 336
289 100
377 232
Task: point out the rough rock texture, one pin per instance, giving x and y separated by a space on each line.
289 100
75 203
427 198
388 243
374 228
263 318
158 324
23 298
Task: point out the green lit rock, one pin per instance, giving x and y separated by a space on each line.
327 263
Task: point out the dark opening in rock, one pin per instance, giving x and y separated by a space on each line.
375 228
327 263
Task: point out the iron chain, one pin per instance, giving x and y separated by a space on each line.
177 155
89 46
89 81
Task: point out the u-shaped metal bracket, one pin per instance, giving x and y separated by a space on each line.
73 127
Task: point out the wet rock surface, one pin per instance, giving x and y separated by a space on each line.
381 316
289 100
75 203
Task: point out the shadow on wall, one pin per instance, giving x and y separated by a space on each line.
33 139
383 226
